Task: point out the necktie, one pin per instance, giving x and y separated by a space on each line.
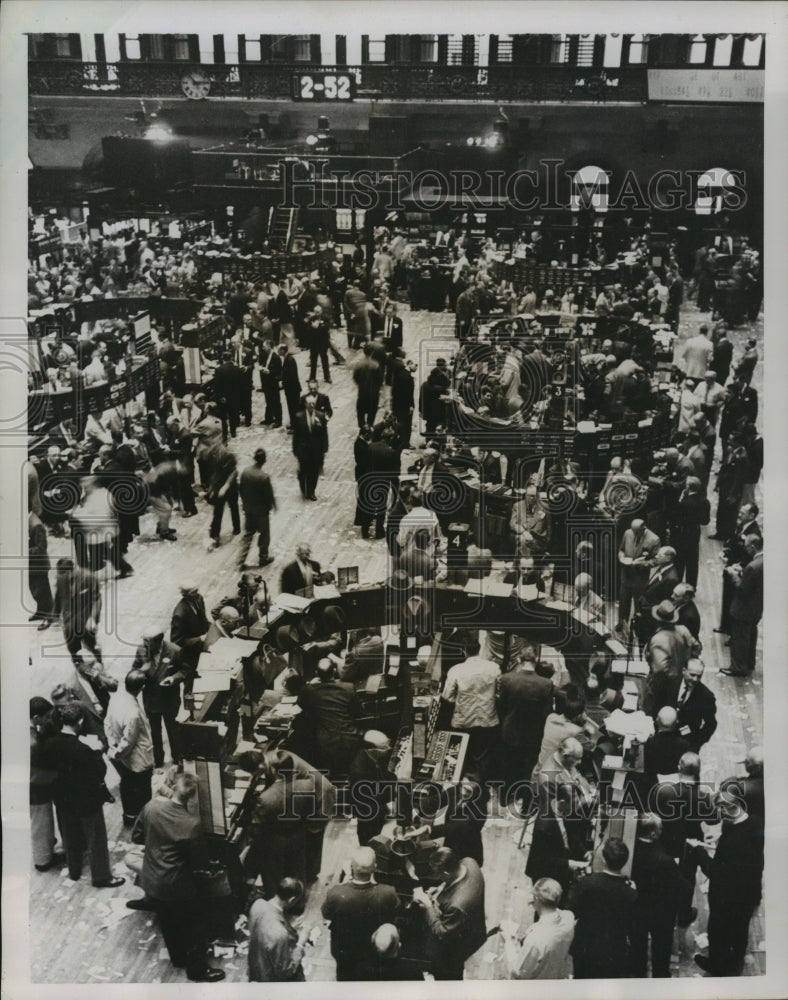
564 837
683 696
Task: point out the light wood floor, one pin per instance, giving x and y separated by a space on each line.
75 934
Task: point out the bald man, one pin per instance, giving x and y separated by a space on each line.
387 964
696 707
354 908
663 750
636 558
371 784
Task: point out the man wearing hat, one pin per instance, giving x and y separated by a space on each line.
667 653
189 624
663 577
163 665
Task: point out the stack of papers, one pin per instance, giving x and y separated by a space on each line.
631 724
292 602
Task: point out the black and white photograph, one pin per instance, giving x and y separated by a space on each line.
387 498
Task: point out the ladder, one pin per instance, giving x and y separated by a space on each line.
282 227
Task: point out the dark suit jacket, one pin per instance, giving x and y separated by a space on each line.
699 713
402 387
747 603
322 404
689 617
660 887
79 787
661 754
310 447
355 912
368 377
659 589
293 578
227 382
458 926
174 848
291 382
257 495
524 700
188 621
683 805
395 340
736 870
605 909
548 856
274 365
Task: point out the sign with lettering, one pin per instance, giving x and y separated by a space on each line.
729 85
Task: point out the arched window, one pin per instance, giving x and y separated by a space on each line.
711 191
589 189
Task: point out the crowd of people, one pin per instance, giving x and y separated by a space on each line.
535 723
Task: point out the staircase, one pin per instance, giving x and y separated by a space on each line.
282 227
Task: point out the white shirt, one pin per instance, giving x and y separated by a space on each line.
544 953
128 731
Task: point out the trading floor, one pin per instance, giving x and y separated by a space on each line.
81 935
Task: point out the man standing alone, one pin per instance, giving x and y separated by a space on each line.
257 497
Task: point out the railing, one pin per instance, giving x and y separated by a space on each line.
374 81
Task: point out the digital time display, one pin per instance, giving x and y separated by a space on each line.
324 87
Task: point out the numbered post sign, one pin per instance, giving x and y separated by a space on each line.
324 87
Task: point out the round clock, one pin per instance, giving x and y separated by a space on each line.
196 84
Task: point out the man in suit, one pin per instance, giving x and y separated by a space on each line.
330 709
402 395
663 894
38 572
174 851
257 497
291 383
523 700
270 373
454 913
189 625
586 600
683 600
368 376
390 330
735 556
661 581
243 359
310 444
690 513
735 873
79 796
746 611
301 573
78 604
696 707
382 473
560 843
604 905
291 809
664 748
164 667
319 342
667 652
223 490
355 908
723 352
750 787
322 402
742 402
684 804
227 391
635 557
51 480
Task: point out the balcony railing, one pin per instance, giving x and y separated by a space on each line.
375 81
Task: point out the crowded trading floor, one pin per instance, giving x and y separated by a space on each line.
406 590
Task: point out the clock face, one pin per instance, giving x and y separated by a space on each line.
196 84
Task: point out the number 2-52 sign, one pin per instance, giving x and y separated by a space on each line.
324 87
